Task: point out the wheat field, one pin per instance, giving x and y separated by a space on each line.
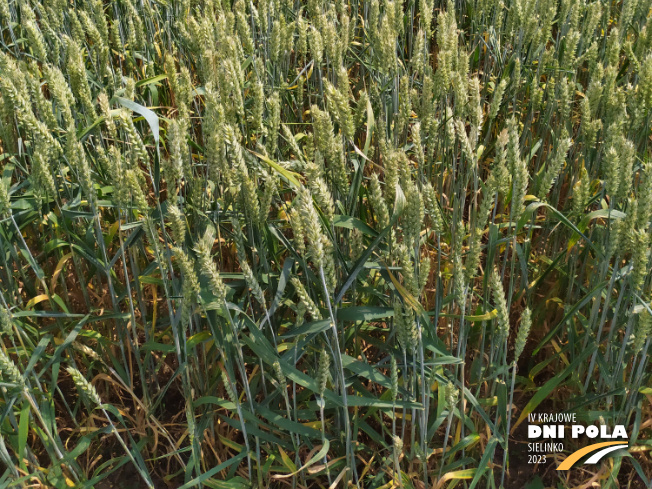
320 244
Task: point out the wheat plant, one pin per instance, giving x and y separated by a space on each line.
276 243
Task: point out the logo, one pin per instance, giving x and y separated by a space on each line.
593 459
555 428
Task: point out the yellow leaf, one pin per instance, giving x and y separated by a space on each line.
482 317
230 443
287 460
399 415
313 424
290 176
557 349
458 474
57 270
409 298
36 300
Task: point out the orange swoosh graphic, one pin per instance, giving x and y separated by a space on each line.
575 456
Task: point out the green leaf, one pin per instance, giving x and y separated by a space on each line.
529 210
88 256
45 314
466 442
84 132
198 338
359 265
364 313
23 430
288 426
365 370
544 391
309 328
66 343
282 283
290 176
146 279
599 214
210 473
37 354
487 455
349 222
149 81
476 405
54 244
570 313
152 346
535 483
